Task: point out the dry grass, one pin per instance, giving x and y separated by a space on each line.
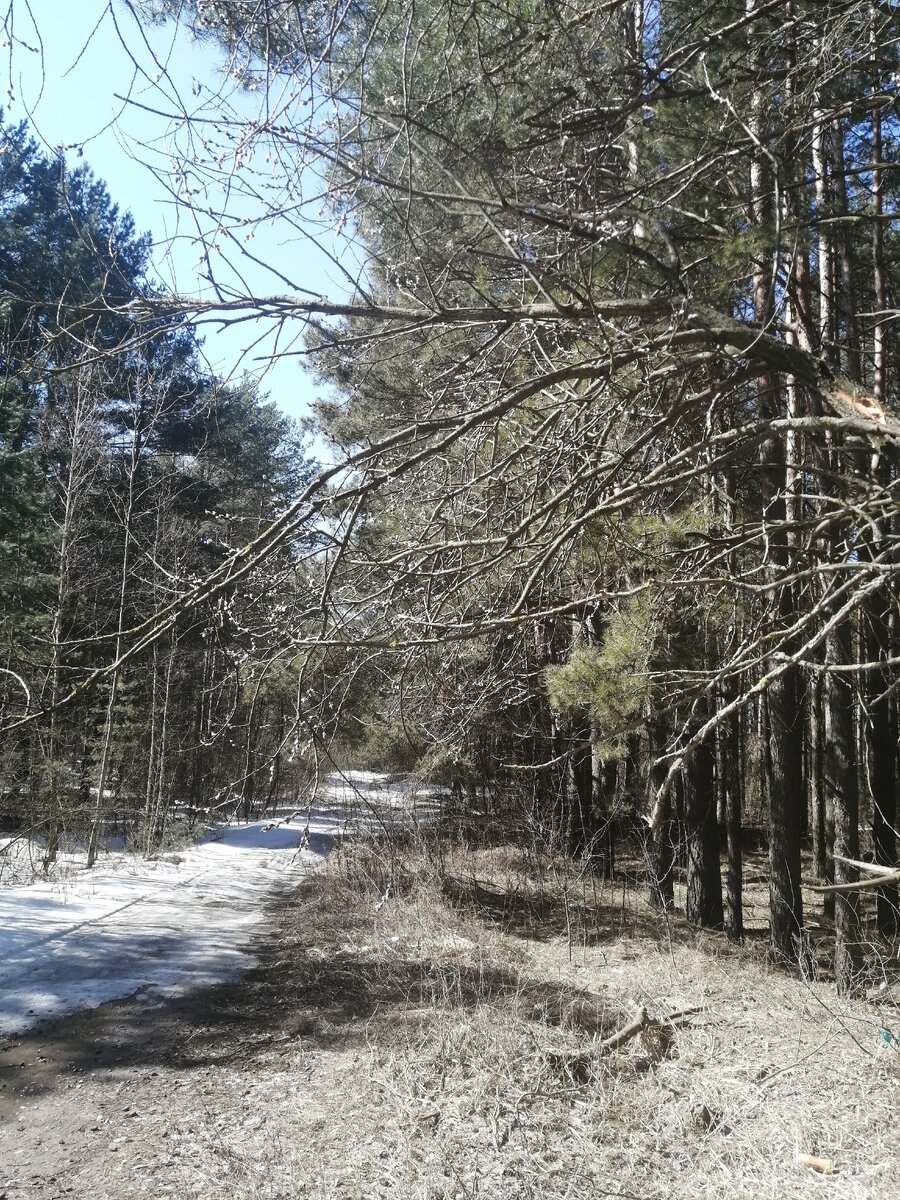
444 1009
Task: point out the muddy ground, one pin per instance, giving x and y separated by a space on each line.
127 1099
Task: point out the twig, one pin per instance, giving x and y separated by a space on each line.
640 1022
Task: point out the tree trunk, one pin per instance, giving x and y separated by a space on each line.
83 461
882 704
603 791
579 796
883 758
785 768
851 339
841 784
660 850
879 272
827 334
704 874
814 785
785 793
661 854
109 721
730 782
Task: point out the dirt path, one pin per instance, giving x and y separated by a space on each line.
128 1099
409 1032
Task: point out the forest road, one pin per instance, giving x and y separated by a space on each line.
150 928
131 1099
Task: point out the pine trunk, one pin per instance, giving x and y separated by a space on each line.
731 784
841 784
704 874
883 760
660 849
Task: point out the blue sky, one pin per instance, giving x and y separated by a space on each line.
66 67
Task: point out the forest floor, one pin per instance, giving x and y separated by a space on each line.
426 1022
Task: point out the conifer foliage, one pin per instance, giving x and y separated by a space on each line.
126 471
610 543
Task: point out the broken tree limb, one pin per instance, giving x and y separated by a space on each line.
638 1024
879 876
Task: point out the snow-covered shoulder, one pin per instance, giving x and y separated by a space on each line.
164 925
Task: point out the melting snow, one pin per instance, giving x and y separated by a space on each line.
155 927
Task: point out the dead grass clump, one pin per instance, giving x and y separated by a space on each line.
480 987
367 865
481 1106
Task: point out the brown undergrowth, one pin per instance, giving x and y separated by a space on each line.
470 992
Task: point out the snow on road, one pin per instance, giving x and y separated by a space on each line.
161 927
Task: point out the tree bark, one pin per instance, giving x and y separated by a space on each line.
731 784
814 784
603 794
579 796
660 849
785 795
704 874
841 784
883 759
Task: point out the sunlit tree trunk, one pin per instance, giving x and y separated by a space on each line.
841 784
81 444
131 466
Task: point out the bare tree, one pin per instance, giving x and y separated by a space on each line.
599 336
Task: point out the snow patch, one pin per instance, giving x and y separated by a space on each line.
162 926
